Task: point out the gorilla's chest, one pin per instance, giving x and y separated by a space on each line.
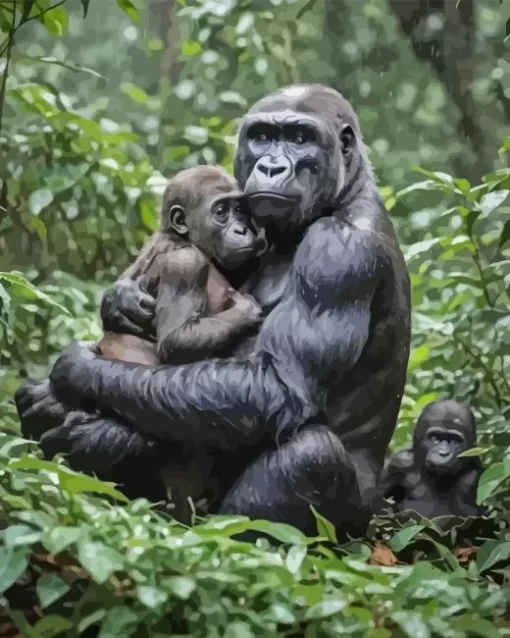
269 282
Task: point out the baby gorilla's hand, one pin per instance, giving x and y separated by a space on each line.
249 307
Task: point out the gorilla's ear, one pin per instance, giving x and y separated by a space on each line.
177 220
348 139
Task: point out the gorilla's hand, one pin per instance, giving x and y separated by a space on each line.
38 409
110 442
65 379
126 308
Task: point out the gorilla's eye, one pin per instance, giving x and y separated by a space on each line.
434 438
299 138
221 212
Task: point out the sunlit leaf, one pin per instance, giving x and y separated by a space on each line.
129 9
490 553
13 562
324 527
50 588
39 200
99 560
55 20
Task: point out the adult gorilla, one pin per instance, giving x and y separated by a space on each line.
308 417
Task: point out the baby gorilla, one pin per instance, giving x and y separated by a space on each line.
431 479
204 219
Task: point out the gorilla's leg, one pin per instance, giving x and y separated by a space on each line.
312 468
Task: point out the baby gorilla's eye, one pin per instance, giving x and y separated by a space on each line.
221 212
262 137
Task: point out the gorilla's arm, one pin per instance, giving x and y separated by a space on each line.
318 329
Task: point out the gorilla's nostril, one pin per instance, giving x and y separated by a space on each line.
271 171
240 230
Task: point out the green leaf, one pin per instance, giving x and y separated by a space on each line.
27 290
99 560
181 586
505 235
282 614
55 21
134 92
411 623
295 558
475 451
151 597
119 622
324 527
421 247
325 608
39 200
60 538
50 588
493 200
129 9
281 531
238 629
490 553
402 539
85 5
52 625
190 48
13 562
48 59
77 484
17 535
27 8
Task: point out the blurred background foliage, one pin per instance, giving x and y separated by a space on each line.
101 100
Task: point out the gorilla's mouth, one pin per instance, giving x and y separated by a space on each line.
270 204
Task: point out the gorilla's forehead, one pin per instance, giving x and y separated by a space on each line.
322 103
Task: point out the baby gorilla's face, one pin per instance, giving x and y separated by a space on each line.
230 236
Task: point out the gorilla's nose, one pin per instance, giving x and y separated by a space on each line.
240 230
271 167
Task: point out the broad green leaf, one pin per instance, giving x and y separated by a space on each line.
17 535
52 625
492 552
13 562
493 200
295 558
76 484
119 622
475 451
282 614
326 608
60 538
181 586
238 629
39 200
151 597
411 623
26 289
421 247
281 531
402 539
50 588
99 560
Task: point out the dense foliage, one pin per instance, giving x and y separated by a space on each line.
98 100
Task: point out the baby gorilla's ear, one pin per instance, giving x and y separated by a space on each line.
348 139
177 220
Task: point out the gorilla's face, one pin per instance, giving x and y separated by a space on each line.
290 159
